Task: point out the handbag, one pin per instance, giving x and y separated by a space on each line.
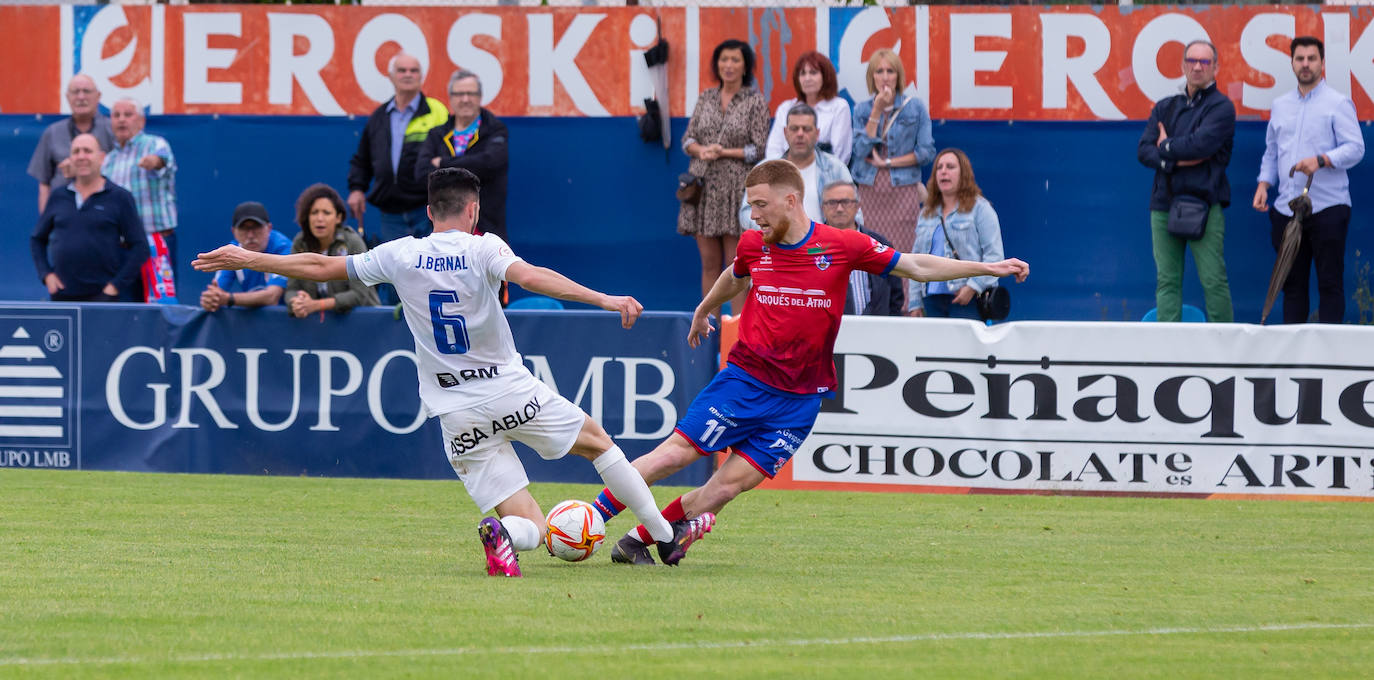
994 303
689 188
1188 217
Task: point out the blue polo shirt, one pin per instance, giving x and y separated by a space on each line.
99 242
247 280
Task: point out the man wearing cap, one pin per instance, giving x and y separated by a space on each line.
247 288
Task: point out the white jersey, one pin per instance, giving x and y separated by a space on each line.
448 284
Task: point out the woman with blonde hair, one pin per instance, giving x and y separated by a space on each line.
959 223
892 140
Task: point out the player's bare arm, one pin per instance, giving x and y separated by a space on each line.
309 266
923 267
548 282
727 286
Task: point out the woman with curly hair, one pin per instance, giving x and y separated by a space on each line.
320 211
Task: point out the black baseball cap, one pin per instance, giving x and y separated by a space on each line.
250 210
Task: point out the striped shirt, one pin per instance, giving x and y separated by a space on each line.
154 190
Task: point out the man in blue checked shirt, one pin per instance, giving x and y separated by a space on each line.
1312 129
143 163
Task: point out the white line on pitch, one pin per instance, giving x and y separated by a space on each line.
669 646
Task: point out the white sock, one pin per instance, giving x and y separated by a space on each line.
524 534
629 488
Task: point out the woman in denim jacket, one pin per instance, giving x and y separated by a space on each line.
957 222
891 142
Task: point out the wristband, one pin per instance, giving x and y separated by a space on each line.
1321 161
231 300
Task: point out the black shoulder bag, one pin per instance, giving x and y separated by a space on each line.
994 304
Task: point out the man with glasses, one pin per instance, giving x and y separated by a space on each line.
475 140
1314 130
1187 142
49 164
818 168
869 294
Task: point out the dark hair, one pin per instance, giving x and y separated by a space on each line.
830 85
803 109
1307 41
451 190
744 50
313 193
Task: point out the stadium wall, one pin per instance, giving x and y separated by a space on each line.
1048 101
170 388
590 199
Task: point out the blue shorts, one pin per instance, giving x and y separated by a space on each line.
764 426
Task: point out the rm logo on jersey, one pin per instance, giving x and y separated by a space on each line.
37 388
822 262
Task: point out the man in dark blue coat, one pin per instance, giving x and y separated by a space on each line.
1187 142
89 244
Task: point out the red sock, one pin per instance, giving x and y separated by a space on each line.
674 511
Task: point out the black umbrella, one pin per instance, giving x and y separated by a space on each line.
1288 248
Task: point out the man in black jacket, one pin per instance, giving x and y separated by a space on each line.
869 294
1187 142
386 156
475 140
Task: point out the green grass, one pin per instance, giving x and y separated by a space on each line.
145 575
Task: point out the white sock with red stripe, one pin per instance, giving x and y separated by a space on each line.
524 534
629 488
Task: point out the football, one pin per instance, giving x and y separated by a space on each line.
575 531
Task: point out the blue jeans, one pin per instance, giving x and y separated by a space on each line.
409 223
943 306
398 225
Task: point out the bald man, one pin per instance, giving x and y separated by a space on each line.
382 171
143 163
48 164
89 245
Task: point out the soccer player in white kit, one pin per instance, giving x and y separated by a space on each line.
472 378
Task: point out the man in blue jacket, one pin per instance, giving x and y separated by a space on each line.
1187 142
88 245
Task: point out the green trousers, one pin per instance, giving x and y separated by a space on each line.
1207 256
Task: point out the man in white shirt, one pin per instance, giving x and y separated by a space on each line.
819 169
471 377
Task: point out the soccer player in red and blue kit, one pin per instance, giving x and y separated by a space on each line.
763 405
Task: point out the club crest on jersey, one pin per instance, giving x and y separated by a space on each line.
878 247
822 262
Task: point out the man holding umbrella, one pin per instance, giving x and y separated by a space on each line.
1312 130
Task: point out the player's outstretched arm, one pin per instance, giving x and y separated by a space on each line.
548 282
309 266
726 287
922 267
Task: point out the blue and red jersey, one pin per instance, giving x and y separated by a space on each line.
788 328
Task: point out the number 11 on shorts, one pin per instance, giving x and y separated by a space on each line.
712 434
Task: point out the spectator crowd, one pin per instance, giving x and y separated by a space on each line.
107 187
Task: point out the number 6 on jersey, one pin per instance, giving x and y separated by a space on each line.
450 331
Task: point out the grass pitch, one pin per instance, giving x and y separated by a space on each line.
150 576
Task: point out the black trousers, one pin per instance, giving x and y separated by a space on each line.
1323 243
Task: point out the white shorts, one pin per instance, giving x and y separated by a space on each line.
477 440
